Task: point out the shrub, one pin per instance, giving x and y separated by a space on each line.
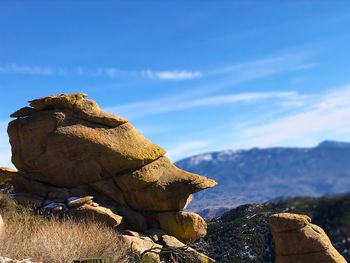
55 241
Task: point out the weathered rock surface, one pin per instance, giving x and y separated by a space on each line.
185 226
68 150
297 240
160 186
102 214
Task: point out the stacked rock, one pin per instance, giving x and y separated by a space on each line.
298 241
65 146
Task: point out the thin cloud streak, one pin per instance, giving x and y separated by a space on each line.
169 104
326 116
25 69
13 68
171 75
232 74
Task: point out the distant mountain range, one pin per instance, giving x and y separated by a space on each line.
259 175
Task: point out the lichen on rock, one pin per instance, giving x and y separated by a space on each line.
65 146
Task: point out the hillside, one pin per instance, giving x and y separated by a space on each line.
242 234
259 175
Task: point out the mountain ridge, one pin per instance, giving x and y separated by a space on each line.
258 175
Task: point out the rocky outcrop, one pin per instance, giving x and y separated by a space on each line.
298 241
68 150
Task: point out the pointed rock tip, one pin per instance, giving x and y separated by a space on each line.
206 182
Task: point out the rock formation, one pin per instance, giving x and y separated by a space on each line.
67 149
299 241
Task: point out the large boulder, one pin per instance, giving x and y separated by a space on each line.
67 149
185 226
297 240
71 150
160 186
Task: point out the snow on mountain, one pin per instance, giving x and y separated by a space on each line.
258 175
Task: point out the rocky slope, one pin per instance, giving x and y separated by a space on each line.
258 175
243 234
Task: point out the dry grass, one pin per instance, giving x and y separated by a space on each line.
55 241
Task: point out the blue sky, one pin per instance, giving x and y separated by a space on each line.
192 76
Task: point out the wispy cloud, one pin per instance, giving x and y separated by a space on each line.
171 75
169 104
109 72
150 74
292 61
325 116
25 69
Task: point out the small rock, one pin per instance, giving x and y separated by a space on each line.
185 226
100 214
74 202
140 245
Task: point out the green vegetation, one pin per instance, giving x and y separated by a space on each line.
242 234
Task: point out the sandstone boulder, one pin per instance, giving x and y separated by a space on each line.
185 226
74 202
69 150
160 186
297 240
101 214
